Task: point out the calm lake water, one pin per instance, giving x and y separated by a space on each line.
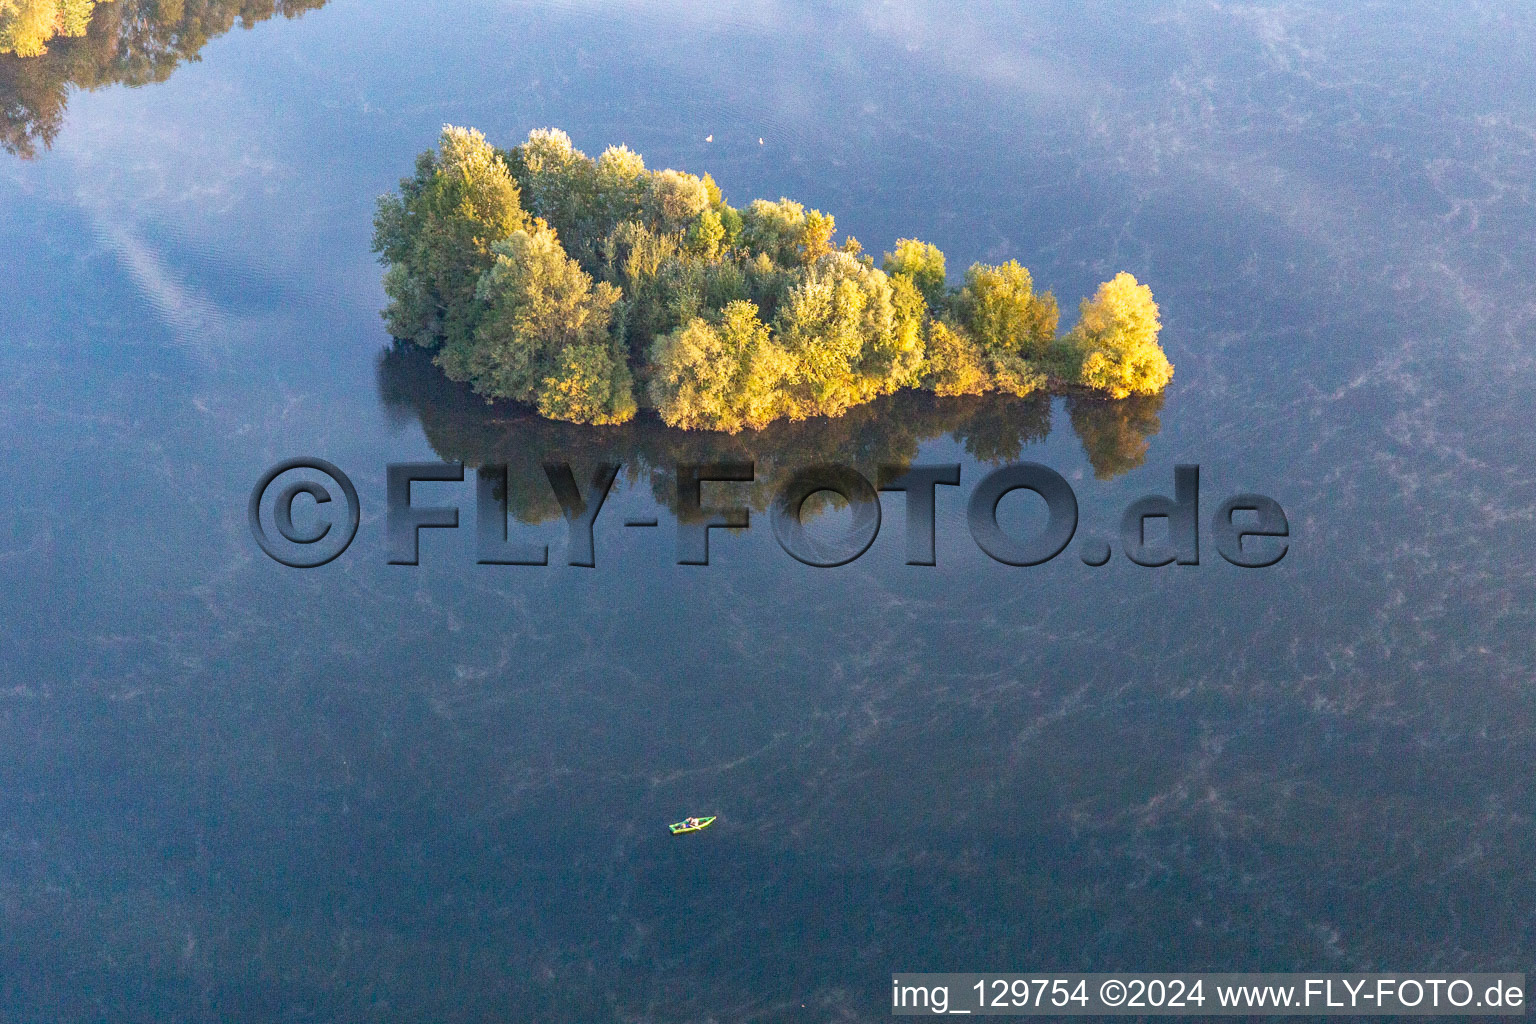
235 791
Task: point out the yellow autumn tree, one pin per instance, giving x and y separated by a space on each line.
724 375
27 25
1116 339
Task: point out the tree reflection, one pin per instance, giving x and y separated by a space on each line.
129 42
1115 432
461 427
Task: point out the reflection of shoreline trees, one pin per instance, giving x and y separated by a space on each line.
27 26
1115 433
128 42
461 427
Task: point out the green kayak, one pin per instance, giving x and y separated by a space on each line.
700 824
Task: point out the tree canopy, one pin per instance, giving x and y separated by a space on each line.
436 236
1116 337
584 287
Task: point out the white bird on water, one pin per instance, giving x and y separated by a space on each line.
709 138
759 142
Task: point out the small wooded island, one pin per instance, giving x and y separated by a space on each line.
581 286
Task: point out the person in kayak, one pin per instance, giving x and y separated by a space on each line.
690 822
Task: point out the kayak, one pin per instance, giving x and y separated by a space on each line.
679 827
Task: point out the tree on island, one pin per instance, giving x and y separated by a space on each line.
1116 336
582 287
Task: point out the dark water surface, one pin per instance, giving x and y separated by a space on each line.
235 791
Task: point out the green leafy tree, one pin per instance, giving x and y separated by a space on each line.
692 287
559 180
590 384
437 234
675 200
767 282
633 254
923 264
730 219
634 257
561 186
816 236
785 232
773 229
838 320
1000 307
545 337
1014 375
706 235
1116 337
955 364
907 348
621 184
724 375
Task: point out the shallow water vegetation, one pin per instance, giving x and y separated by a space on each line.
587 287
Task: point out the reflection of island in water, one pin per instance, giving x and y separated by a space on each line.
461 427
129 42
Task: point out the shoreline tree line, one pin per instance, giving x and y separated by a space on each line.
588 287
